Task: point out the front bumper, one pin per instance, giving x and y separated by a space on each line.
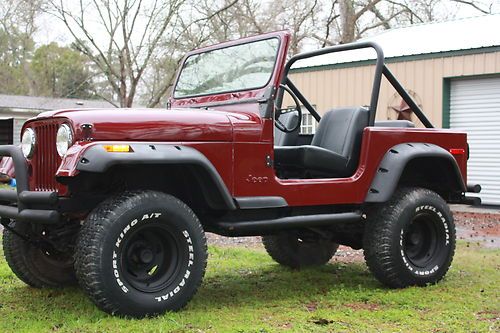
23 204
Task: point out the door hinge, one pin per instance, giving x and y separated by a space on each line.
269 161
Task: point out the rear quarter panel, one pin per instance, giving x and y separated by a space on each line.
252 177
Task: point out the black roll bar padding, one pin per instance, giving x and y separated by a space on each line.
406 97
23 197
21 168
339 48
33 198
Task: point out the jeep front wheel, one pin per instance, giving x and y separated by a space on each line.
141 254
410 240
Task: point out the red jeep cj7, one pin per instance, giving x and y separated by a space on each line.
119 199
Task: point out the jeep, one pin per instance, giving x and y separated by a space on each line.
119 200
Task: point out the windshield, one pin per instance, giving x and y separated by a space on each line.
240 67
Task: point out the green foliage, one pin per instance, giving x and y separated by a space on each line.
16 49
61 72
245 291
49 70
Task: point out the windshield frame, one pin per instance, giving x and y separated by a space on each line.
235 97
235 90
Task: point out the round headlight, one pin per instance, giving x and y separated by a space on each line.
28 142
64 139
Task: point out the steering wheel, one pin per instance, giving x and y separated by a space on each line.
278 112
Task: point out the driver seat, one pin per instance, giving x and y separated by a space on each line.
335 148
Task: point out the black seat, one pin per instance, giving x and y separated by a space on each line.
335 148
288 119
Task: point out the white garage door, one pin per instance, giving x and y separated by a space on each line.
475 108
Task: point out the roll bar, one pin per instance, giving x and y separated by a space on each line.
380 69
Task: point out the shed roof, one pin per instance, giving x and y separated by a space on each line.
461 34
48 103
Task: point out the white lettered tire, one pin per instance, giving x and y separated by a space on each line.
141 254
410 240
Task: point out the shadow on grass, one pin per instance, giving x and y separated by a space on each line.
276 283
238 288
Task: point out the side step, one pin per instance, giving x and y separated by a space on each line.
262 227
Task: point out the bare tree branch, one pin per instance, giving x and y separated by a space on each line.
474 5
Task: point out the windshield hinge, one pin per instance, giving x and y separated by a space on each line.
266 103
268 94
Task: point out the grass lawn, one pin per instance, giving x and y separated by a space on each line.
245 291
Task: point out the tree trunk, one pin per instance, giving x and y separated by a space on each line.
348 21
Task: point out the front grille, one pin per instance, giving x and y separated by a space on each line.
45 159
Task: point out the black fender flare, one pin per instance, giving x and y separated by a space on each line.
394 162
97 160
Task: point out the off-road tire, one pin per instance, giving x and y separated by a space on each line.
410 240
125 235
289 249
33 266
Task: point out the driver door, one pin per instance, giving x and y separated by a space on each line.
219 78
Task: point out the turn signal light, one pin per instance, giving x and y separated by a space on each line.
118 148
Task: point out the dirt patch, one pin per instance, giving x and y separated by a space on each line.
246 242
475 226
344 254
311 306
347 255
486 223
493 316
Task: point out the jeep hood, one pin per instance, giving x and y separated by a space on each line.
149 124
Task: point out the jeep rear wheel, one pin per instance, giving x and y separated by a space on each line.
141 254
297 250
38 266
410 240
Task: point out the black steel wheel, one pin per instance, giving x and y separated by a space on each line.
410 240
39 266
422 239
141 254
151 257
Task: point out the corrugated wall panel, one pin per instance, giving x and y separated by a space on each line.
475 108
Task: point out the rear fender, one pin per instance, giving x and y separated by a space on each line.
399 157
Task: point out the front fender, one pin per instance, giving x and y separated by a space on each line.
397 158
92 157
